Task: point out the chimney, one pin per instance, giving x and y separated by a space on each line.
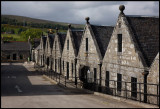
56 30
121 8
69 26
87 20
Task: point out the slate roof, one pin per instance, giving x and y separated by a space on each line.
102 35
51 40
15 45
77 36
36 42
146 32
62 38
44 38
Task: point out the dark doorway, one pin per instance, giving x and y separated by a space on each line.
83 73
72 70
67 70
14 57
56 65
107 79
95 74
134 87
119 82
47 61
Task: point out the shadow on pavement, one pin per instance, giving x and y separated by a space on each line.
15 82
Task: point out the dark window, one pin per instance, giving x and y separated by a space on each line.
107 78
21 56
119 82
8 56
119 42
95 74
67 44
72 70
67 70
55 44
14 57
134 87
86 44
63 65
119 25
56 65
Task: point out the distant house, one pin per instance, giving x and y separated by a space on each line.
57 49
14 51
70 52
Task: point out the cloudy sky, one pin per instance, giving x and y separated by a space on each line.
100 12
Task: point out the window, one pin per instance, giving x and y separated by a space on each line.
72 70
107 79
67 44
55 44
14 57
119 82
119 25
8 56
63 65
134 87
119 42
87 44
95 74
21 56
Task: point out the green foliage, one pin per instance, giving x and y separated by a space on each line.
33 33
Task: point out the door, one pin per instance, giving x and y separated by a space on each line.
134 87
83 73
107 79
119 82
14 57
67 70
95 74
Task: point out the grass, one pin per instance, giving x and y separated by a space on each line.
16 37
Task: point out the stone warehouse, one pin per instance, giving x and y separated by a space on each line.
124 57
14 51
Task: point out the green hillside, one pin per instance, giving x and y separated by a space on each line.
27 21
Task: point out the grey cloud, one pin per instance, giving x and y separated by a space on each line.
100 12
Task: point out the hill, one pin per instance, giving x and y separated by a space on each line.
22 20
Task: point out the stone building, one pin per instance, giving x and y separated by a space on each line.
70 52
35 49
93 45
57 49
15 51
153 78
132 48
48 51
42 50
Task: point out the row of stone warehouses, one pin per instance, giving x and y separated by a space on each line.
127 53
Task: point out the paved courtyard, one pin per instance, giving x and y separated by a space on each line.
23 87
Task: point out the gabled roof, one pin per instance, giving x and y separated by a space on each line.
77 36
102 35
51 40
146 32
62 38
36 42
15 45
44 38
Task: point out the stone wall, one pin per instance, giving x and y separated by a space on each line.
153 78
4 54
90 58
127 63
68 56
